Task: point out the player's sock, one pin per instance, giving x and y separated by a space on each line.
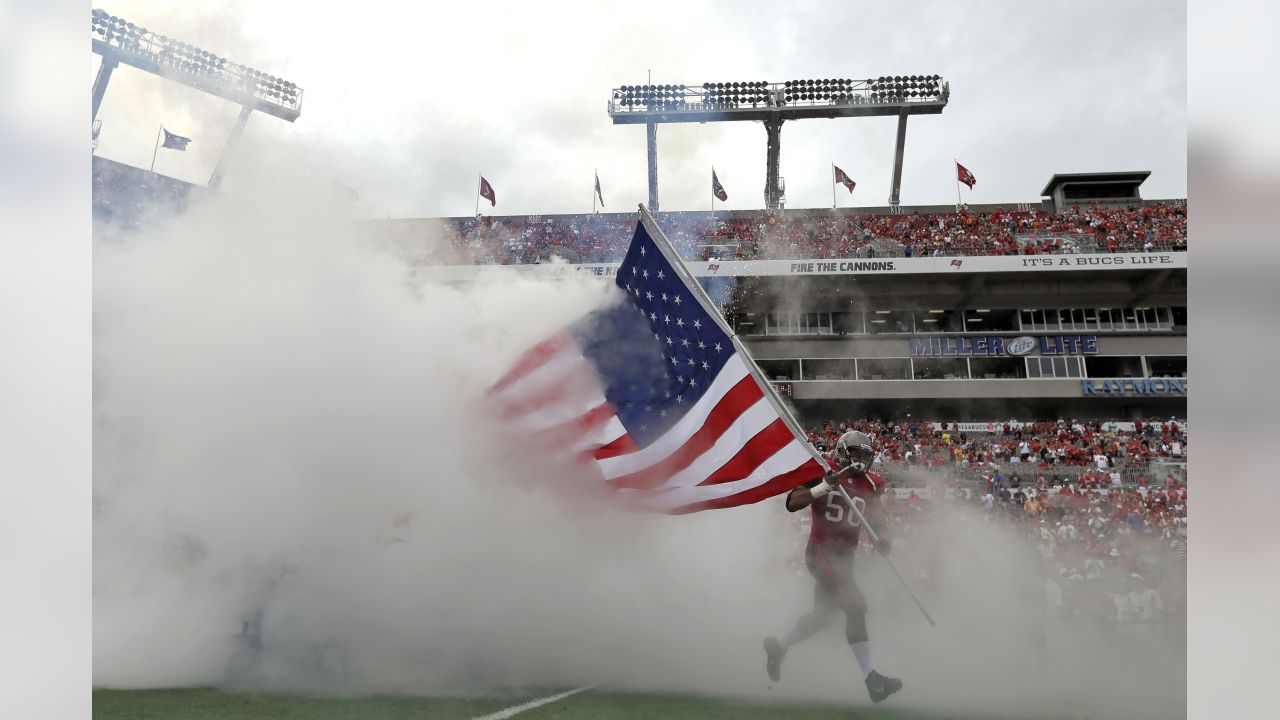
862 651
792 637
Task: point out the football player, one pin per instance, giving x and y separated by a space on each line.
833 537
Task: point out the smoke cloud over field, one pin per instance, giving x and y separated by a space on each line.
297 485
292 452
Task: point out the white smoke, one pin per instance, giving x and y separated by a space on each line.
289 435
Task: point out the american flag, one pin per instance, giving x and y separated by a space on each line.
654 398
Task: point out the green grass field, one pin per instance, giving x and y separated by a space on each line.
211 704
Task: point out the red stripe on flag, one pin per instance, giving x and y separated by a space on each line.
778 485
621 446
533 359
736 401
768 441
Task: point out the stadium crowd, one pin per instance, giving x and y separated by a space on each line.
1016 454
1112 546
828 234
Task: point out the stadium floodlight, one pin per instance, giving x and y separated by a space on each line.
120 41
774 103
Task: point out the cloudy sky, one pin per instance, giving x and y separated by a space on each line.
407 102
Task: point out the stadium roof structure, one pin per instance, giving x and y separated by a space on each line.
774 103
1135 177
1066 189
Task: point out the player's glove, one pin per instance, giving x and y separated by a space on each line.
884 545
828 484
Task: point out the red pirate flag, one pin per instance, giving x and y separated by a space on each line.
174 142
716 188
486 192
845 180
964 176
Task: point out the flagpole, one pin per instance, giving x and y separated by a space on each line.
593 191
479 177
713 190
156 149
833 186
957 171
701 296
784 412
876 539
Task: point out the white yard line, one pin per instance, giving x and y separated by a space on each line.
517 709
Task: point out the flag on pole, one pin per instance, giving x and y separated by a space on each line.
964 176
845 180
174 142
598 190
717 188
486 192
653 397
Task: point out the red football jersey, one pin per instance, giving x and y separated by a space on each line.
834 524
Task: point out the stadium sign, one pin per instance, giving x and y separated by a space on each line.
999 426
942 265
988 345
1134 386
982 427
849 266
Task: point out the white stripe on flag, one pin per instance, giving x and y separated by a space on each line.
556 369
790 457
607 433
675 437
758 417
563 389
562 411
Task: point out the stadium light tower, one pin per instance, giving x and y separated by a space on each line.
120 41
773 104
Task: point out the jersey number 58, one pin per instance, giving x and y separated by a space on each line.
835 510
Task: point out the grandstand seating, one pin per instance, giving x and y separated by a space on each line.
126 196
826 234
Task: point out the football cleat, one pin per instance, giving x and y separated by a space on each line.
881 687
773 654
